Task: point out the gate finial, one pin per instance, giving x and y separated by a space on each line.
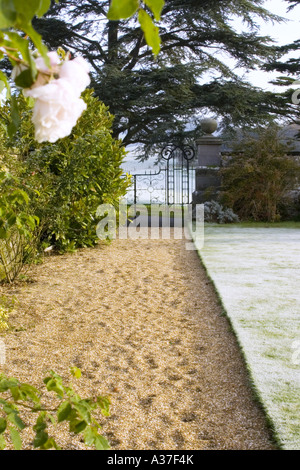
209 126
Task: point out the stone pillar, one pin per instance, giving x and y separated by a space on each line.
208 180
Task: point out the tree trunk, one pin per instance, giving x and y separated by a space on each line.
112 55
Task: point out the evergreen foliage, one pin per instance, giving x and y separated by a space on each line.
292 65
258 176
154 99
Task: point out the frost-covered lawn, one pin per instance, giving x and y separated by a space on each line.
256 270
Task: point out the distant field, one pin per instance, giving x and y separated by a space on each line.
256 271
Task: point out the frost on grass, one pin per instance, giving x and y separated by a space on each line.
256 272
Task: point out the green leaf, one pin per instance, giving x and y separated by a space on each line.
44 7
41 436
83 411
15 118
19 42
3 424
2 443
121 9
15 419
40 439
63 411
80 426
25 79
22 45
32 67
4 385
51 418
76 425
75 372
53 386
4 22
37 41
15 393
101 443
20 197
8 14
27 392
4 79
26 10
46 380
54 383
50 444
11 220
156 7
2 85
89 436
104 403
40 424
16 438
151 31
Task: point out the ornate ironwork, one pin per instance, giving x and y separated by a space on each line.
172 183
178 160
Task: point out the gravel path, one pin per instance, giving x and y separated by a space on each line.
143 323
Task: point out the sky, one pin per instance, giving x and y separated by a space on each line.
283 33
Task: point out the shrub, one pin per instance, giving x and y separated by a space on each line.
215 212
258 175
17 228
69 179
290 206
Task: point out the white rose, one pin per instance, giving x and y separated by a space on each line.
54 62
76 72
56 110
58 105
44 71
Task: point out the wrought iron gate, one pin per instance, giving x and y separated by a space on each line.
172 183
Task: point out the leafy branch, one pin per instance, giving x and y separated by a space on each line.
73 409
